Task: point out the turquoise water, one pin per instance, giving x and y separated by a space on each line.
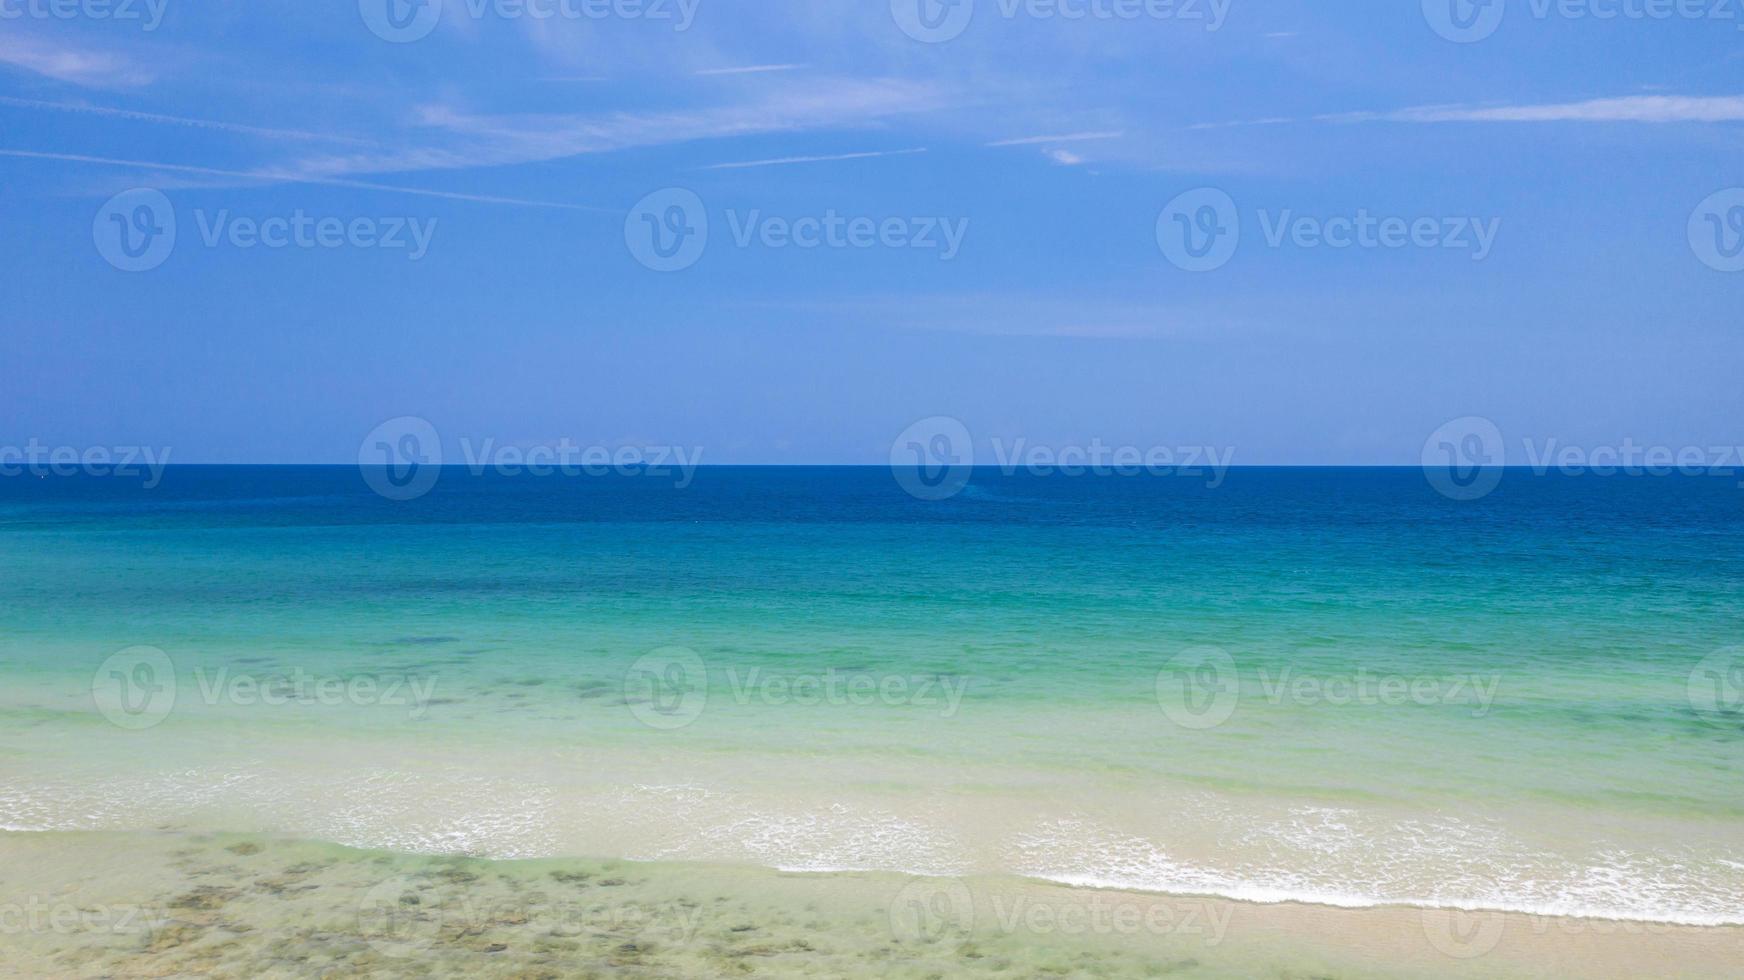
1332 685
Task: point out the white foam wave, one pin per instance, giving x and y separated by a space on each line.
1616 885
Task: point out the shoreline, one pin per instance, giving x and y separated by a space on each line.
1353 904
232 904
1356 904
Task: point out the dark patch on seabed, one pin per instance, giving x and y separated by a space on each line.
249 906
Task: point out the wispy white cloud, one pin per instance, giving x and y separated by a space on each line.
153 117
66 63
815 159
1625 109
275 176
1065 158
459 139
1634 108
1231 124
747 70
1065 138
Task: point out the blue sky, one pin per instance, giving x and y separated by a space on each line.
523 146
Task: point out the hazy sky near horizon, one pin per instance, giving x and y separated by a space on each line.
994 185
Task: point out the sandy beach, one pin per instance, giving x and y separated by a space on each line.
170 904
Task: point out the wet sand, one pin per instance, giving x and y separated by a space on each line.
170 904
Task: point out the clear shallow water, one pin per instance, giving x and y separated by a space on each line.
1477 704
155 904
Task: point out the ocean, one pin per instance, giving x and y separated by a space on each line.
1320 685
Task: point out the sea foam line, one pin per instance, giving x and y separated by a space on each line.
1260 894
